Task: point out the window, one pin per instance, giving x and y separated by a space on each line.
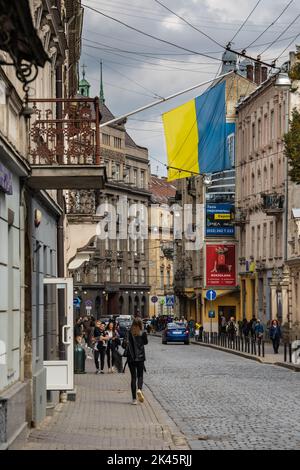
280 120
272 124
168 279
135 177
259 132
162 278
271 175
264 240
78 276
129 275
136 275
143 276
142 179
142 245
118 244
106 243
95 273
106 139
107 273
271 248
252 240
119 272
117 172
266 128
117 142
253 137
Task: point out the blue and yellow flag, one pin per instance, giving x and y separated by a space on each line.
196 135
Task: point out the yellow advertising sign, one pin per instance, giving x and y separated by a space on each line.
222 217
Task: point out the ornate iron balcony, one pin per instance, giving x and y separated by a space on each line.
273 204
64 152
240 216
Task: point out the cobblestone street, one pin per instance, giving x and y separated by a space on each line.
222 401
197 396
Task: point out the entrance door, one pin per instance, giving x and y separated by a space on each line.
58 294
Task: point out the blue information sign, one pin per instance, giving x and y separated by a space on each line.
211 314
219 220
170 300
211 295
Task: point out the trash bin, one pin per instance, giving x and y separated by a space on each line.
79 359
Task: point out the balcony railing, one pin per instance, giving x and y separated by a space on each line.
64 144
273 204
240 216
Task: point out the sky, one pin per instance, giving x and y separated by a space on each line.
138 69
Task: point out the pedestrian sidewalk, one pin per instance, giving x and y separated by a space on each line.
102 417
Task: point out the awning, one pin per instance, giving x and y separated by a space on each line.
79 259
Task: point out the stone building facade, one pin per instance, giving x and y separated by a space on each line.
161 246
29 218
111 271
268 246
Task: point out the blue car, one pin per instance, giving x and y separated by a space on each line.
175 333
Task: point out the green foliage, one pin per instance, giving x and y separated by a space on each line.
294 73
292 146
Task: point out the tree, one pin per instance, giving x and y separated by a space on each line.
292 146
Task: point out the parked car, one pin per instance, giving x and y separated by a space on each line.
124 326
176 332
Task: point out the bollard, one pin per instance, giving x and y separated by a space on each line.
263 349
259 349
79 359
290 352
284 352
242 341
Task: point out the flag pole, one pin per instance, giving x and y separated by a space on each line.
162 100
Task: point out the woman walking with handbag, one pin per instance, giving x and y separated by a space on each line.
134 346
112 342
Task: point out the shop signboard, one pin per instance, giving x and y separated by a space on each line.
220 265
219 220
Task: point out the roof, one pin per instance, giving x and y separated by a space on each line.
106 115
161 189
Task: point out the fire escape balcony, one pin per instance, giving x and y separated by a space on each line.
273 204
64 153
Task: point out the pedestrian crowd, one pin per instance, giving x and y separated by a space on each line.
103 341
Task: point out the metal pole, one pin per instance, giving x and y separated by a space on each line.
162 100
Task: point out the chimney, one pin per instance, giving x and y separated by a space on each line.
257 73
250 72
264 74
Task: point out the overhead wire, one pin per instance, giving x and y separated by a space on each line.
188 23
245 21
270 25
280 35
164 41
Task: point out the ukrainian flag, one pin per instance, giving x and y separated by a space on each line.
196 135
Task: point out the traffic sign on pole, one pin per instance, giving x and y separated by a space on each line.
211 295
154 299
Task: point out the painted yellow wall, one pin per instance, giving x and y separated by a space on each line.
229 300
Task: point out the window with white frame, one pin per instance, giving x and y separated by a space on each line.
117 142
119 273
117 171
142 179
108 273
135 177
143 276
105 139
129 275
136 275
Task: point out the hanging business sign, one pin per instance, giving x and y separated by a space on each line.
219 220
5 180
220 265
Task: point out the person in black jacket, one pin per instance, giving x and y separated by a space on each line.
135 352
100 342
